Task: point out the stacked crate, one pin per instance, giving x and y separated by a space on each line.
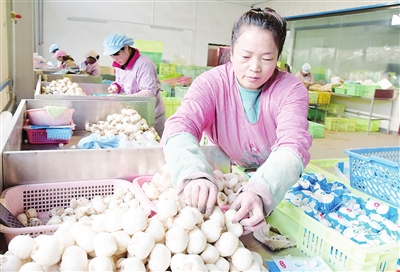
151 49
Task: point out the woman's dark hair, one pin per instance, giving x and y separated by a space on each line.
67 57
266 19
287 68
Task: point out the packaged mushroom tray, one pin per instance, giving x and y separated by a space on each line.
175 238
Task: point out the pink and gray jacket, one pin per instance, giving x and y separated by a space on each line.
139 78
277 143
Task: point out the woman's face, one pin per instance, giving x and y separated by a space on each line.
90 60
254 57
122 56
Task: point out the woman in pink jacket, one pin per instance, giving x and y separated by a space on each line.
135 74
91 65
256 113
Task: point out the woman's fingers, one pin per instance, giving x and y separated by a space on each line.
201 194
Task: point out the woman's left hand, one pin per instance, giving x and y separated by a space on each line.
250 211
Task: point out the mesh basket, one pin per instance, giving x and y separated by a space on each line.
316 130
44 197
316 239
49 135
376 171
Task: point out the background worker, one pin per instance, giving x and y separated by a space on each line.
135 74
53 48
255 112
305 74
91 66
64 59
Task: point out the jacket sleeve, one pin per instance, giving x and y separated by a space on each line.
147 80
144 93
186 160
275 176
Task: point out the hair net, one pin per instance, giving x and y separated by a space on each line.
59 53
53 47
114 42
306 68
91 53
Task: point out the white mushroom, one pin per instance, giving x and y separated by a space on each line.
31 213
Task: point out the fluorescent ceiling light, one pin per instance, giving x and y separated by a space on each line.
396 19
90 20
166 28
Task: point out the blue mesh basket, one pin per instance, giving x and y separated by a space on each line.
59 133
376 171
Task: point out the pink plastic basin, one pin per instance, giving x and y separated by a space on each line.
40 117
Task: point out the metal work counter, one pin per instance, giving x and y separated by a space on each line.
28 164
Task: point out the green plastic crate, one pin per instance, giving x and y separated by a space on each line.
336 108
362 124
340 124
315 239
368 90
166 87
316 130
180 91
166 68
171 105
164 77
320 114
340 90
191 70
154 56
354 89
312 97
149 46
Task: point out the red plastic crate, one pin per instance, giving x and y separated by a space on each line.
39 136
183 80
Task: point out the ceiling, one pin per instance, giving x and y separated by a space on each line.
247 3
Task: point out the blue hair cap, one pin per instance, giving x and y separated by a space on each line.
53 47
114 42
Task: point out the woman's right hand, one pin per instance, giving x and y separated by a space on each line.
250 211
112 89
202 194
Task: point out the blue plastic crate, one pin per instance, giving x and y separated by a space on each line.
376 171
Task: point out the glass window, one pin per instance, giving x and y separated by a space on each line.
357 45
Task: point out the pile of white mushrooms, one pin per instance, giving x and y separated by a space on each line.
128 125
174 240
160 187
63 86
124 238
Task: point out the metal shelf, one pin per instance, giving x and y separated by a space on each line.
370 116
